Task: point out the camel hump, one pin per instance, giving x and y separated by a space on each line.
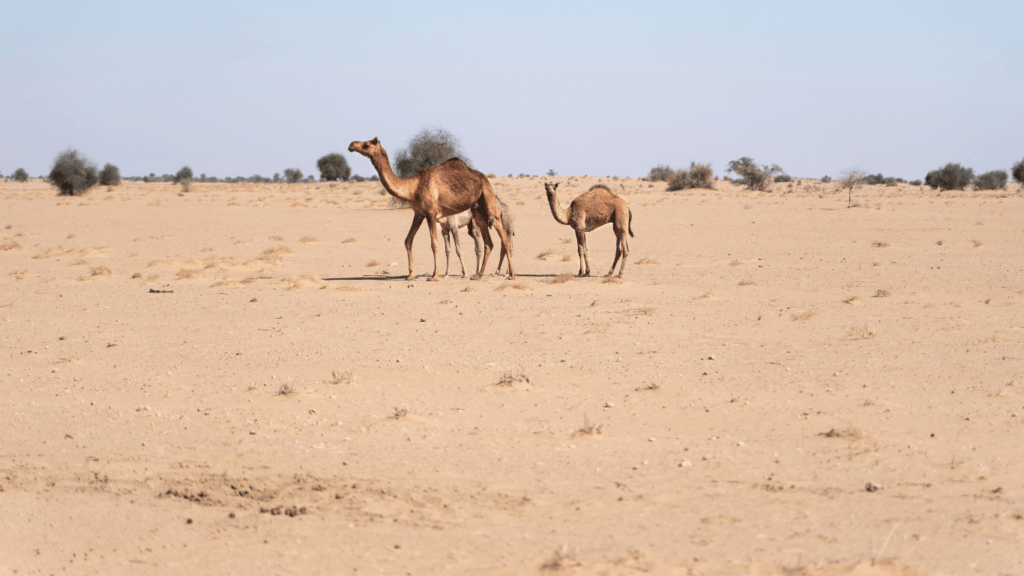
599 187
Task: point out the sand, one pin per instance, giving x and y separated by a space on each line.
239 379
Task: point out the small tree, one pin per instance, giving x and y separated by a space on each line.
333 167
552 173
950 177
20 175
826 179
293 175
753 176
73 173
183 175
851 179
1018 172
993 180
110 175
430 147
698 176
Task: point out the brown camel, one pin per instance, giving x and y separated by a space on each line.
439 191
589 211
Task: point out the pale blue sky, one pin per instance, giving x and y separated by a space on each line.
596 88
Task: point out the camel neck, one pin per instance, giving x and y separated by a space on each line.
402 188
561 215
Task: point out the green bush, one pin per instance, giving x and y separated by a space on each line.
783 178
333 167
432 146
73 173
993 180
110 175
751 175
950 177
661 173
1018 172
184 174
20 175
915 182
292 175
826 179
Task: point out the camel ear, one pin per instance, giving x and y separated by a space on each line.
374 141
555 185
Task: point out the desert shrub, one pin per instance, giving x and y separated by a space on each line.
661 173
184 174
1018 172
915 182
551 173
783 178
20 175
698 176
277 177
73 173
950 177
333 167
357 178
751 175
430 147
826 179
992 180
851 179
110 175
292 175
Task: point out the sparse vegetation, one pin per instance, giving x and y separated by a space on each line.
850 179
783 178
589 428
73 173
430 147
698 176
751 175
293 175
110 175
826 179
992 180
20 175
511 377
1018 172
661 173
183 176
950 177
333 167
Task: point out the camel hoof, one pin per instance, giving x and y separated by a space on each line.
434 279
476 277
410 277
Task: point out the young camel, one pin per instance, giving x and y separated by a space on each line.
450 231
436 192
589 211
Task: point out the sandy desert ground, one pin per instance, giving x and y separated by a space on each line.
239 379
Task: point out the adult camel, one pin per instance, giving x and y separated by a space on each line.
439 191
589 211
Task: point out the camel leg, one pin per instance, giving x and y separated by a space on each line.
416 221
480 220
478 242
493 213
618 253
445 234
458 251
581 247
625 252
432 222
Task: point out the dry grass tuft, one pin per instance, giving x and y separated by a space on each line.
18 274
11 245
509 378
748 282
373 263
343 377
882 293
860 333
511 286
877 244
349 288
277 238
852 300
187 274
977 244
349 240
286 389
645 311
561 560
705 296
848 432
612 280
544 255
648 262
308 239
803 316
561 279
735 263
589 428
100 271
399 413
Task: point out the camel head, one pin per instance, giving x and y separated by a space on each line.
550 188
368 149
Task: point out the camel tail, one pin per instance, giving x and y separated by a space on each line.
630 222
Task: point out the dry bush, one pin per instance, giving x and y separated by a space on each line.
100 271
343 377
589 428
399 413
511 286
860 333
373 263
561 560
511 377
349 240
562 278
707 295
277 238
187 274
735 263
882 293
879 244
10 245
852 300
748 282
977 244
286 389
308 239
544 255
848 432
